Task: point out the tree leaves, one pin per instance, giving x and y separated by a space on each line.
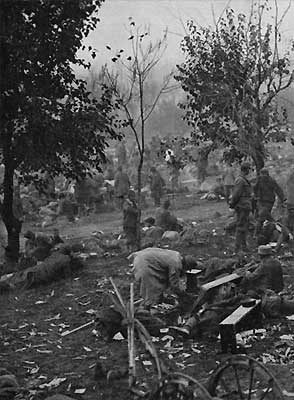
50 120
231 76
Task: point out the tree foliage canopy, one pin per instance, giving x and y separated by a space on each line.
232 76
48 121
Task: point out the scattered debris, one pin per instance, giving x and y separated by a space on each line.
80 391
52 384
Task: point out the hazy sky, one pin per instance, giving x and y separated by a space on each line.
171 14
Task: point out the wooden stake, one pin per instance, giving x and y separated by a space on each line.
131 338
117 293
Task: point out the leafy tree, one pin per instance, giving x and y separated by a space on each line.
232 76
130 90
48 122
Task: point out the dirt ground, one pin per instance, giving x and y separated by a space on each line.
31 321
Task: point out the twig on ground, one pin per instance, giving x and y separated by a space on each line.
66 333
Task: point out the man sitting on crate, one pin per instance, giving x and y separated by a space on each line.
265 282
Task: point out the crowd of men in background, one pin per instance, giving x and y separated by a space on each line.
157 269
117 185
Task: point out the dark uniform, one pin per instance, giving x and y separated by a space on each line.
156 186
165 219
268 275
241 201
265 191
121 186
130 215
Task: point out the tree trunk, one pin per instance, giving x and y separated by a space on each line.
139 201
12 224
258 159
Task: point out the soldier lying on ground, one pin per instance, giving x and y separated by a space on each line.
59 264
110 321
157 270
38 246
265 282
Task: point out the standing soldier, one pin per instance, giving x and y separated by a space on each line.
228 181
290 200
265 191
130 215
121 186
241 201
121 154
156 186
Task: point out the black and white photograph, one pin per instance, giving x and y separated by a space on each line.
146 199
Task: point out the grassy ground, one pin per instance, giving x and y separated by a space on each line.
31 321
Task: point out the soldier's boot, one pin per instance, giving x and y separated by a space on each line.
191 327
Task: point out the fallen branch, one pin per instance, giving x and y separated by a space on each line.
66 333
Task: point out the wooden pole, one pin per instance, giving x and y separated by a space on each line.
117 294
131 338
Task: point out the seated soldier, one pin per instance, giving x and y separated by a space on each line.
275 231
67 206
267 283
164 219
268 276
37 246
287 229
268 233
218 188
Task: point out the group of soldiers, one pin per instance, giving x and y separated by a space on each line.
157 270
259 198
126 201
